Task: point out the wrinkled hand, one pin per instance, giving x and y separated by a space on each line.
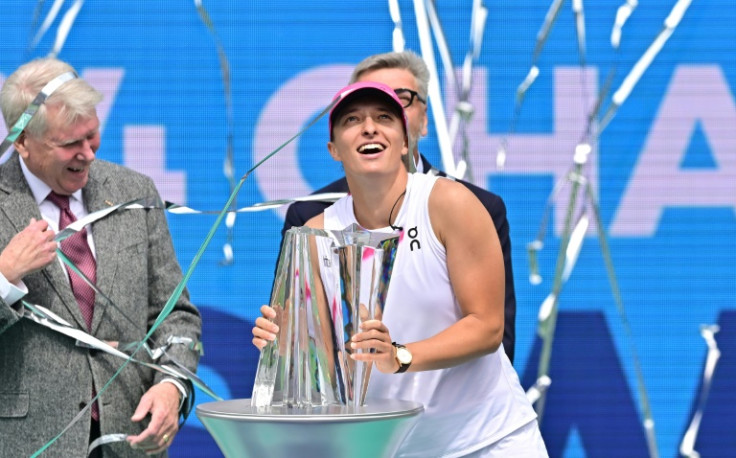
29 250
375 341
265 330
161 401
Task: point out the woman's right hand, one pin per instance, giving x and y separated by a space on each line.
265 330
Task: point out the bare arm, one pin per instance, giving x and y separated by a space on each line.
475 265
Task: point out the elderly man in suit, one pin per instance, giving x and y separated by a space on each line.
46 378
408 75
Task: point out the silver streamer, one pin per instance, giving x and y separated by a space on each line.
447 64
548 309
530 78
687 446
463 110
435 96
535 246
579 12
543 34
540 386
532 249
228 167
622 15
478 25
575 245
177 209
48 20
65 26
35 18
44 317
670 24
549 20
79 224
570 245
398 43
106 439
30 112
442 47
155 353
648 422
572 239
397 39
168 307
543 317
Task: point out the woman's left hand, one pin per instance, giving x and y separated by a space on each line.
375 342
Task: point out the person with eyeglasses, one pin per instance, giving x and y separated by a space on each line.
408 75
436 339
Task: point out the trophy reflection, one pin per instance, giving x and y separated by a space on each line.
327 283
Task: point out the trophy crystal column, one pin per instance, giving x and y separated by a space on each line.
327 283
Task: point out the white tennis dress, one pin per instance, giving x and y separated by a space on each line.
467 407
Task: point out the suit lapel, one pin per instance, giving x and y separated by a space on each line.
97 196
19 206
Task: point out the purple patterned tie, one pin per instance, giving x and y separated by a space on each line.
77 250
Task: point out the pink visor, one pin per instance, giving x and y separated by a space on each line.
381 91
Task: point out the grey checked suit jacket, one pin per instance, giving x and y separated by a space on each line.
44 377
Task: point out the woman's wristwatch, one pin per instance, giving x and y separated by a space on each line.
403 357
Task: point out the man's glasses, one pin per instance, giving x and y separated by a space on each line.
407 96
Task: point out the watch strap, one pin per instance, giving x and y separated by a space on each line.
402 367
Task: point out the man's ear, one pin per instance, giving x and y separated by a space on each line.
20 145
407 159
425 122
333 151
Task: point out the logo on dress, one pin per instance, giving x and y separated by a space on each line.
413 233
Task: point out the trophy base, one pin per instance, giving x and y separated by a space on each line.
374 430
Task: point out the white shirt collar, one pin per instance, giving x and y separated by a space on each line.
420 164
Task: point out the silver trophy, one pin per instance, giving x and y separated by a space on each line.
308 394
327 283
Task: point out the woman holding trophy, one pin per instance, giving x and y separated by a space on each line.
439 339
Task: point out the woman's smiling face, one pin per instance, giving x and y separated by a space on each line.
368 136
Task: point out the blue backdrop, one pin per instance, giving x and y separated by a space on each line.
664 168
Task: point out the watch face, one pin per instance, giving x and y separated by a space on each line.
403 355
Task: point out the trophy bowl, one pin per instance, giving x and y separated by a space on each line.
373 430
